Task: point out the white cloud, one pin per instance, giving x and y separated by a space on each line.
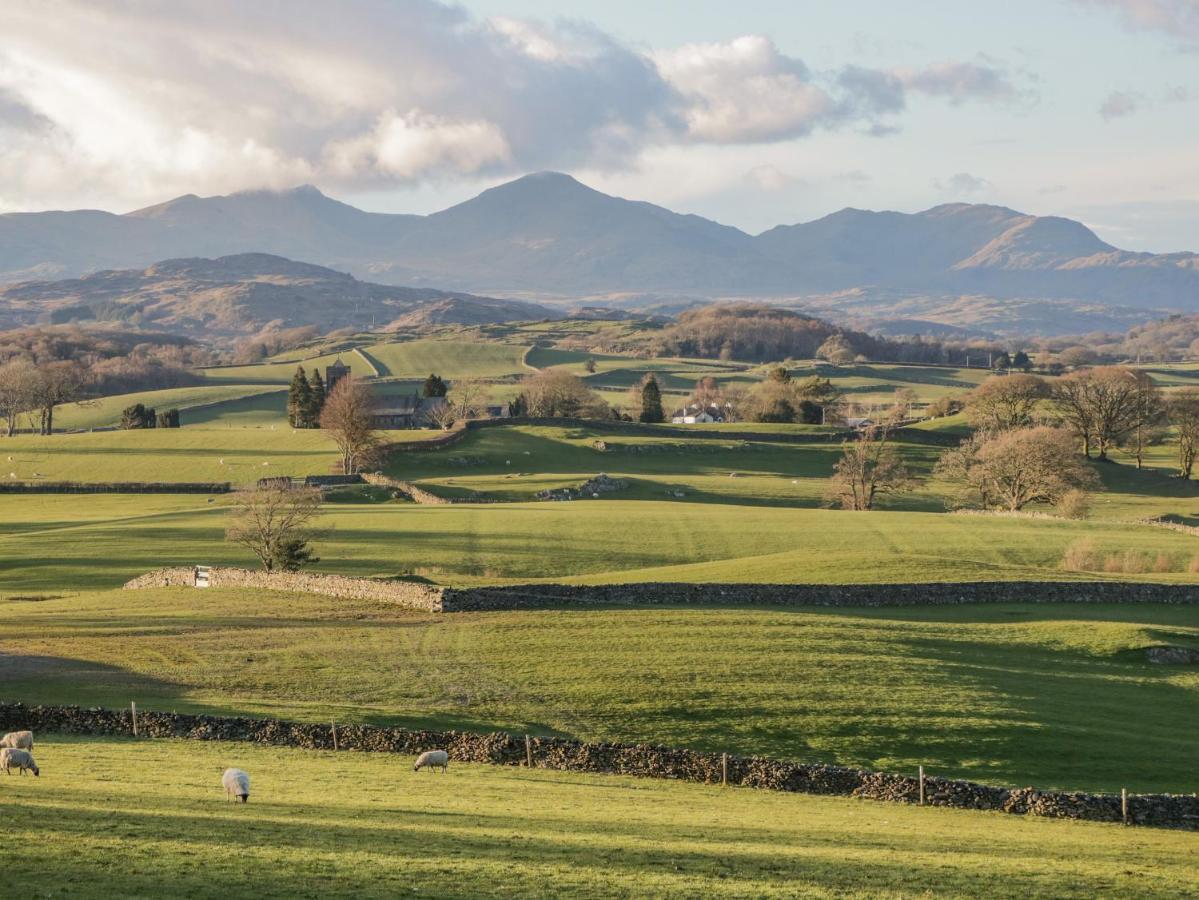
139 101
1119 104
962 183
1179 18
768 177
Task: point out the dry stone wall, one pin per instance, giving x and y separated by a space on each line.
403 593
534 596
498 748
566 596
115 487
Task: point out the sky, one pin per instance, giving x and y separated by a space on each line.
753 113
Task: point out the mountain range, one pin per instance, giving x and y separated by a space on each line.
243 294
550 238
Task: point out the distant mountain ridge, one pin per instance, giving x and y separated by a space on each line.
547 235
242 294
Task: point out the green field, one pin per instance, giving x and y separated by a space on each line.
148 818
106 411
449 359
584 541
1006 694
282 372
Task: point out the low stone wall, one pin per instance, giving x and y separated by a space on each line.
546 596
1162 810
407 488
114 487
534 596
402 593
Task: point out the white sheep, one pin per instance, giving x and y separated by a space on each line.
237 784
433 759
22 759
20 740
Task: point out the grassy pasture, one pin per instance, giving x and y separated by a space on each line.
449 359
147 818
107 410
1012 694
281 372
587 541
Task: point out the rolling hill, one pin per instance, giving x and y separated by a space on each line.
241 294
549 235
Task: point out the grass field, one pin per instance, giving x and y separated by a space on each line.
449 359
282 372
1010 694
584 541
124 818
107 410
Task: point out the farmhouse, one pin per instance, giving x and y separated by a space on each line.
697 414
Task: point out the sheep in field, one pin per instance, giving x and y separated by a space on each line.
433 759
236 784
22 759
19 740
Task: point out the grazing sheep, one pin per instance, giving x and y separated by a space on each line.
20 740
433 759
236 784
22 759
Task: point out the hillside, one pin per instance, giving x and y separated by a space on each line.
547 234
241 294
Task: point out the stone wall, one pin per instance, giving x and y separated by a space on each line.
407 594
566 596
534 596
1162 810
114 487
415 493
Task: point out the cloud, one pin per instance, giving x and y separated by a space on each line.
771 178
1119 104
1179 18
139 100
962 183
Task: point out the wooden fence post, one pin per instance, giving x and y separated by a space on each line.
1124 805
334 724
133 708
922 785
528 751
724 770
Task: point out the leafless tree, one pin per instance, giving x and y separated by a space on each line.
466 398
1014 468
1006 401
1183 411
347 417
18 391
1099 405
557 393
869 468
273 524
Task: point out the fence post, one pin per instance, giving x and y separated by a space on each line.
528 751
724 770
334 724
922 785
1124 805
133 708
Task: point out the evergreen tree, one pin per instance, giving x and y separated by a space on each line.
316 400
651 402
434 387
1021 361
299 399
1002 361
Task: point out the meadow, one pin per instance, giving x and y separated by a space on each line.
1006 694
143 818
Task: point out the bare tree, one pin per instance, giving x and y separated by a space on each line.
57 383
1183 411
272 523
18 391
1146 415
348 418
466 398
1006 401
1012 469
556 393
869 468
1100 405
